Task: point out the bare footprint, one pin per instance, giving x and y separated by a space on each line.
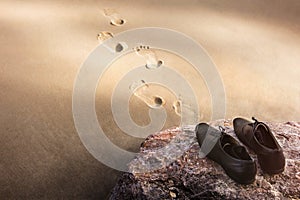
104 35
141 90
151 59
114 16
119 47
177 107
186 111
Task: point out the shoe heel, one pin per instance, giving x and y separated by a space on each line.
272 163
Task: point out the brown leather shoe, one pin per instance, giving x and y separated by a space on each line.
227 152
260 139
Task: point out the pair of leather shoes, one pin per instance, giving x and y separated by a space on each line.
234 158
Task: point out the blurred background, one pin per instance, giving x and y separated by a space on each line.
254 44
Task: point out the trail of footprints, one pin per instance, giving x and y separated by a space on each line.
144 51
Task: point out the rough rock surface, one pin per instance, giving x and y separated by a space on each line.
157 175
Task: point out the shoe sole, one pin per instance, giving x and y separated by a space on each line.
278 171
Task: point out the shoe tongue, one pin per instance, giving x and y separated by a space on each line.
260 129
241 152
261 126
230 149
236 151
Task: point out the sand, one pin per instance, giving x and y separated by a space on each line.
254 44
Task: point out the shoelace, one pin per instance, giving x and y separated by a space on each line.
256 122
222 129
258 136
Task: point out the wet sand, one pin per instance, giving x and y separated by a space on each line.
254 44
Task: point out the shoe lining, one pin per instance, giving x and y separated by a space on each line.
264 137
234 149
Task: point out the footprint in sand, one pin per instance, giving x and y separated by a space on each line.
151 59
104 35
141 90
114 16
177 107
187 110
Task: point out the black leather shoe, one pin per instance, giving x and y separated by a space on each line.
226 151
258 137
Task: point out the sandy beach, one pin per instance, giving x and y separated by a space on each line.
255 46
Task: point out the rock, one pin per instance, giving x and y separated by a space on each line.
169 167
